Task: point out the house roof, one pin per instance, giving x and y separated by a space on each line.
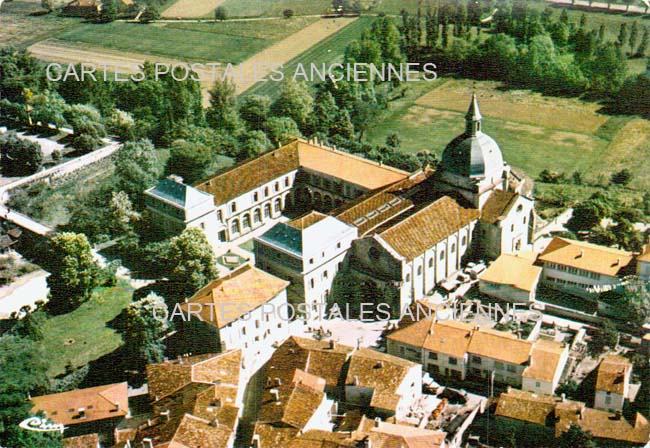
168 377
197 432
235 295
526 406
498 205
267 167
449 337
415 234
604 425
173 190
612 373
500 345
316 438
307 220
85 441
389 435
586 256
516 270
274 436
98 403
381 372
545 360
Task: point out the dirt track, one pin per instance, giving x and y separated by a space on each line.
191 8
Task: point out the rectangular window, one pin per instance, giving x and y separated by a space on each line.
433 356
512 368
498 365
476 359
453 361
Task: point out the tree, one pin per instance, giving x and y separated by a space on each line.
86 121
324 113
144 327
108 12
48 108
645 41
121 216
188 160
606 70
606 336
634 37
189 261
295 101
622 177
623 35
576 437
287 13
252 144
220 13
281 129
254 110
150 13
73 272
136 167
24 372
222 114
19 157
588 214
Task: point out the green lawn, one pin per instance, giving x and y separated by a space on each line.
270 8
82 335
327 51
531 138
218 42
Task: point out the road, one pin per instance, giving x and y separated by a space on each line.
633 9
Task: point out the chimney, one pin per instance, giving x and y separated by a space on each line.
377 422
278 381
180 359
276 394
214 423
563 397
332 344
618 415
582 253
256 441
165 415
355 380
618 261
147 443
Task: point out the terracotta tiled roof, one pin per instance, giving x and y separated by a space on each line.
448 337
545 360
501 346
236 294
516 270
388 435
85 441
265 168
98 403
168 377
316 438
196 432
604 425
526 406
612 374
498 205
381 372
307 220
274 436
414 235
587 256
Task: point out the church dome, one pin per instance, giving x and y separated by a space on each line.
473 154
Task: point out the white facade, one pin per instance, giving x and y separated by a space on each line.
573 280
257 332
511 233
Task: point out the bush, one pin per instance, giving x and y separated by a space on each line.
288 13
220 13
622 177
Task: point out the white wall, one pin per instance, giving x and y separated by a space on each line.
506 292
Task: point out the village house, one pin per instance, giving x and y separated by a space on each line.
245 310
539 419
308 251
512 278
196 401
96 410
612 383
458 349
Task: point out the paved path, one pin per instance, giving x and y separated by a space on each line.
24 221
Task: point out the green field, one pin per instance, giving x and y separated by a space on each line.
327 51
269 8
534 132
82 335
217 41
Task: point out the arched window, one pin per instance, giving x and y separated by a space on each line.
419 270
267 210
277 186
442 256
277 205
266 191
246 221
453 248
233 207
431 262
257 216
408 277
464 241
234 227
286 181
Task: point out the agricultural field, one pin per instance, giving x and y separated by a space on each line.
328 51
273 8
213 42
20 29
191 8
533 131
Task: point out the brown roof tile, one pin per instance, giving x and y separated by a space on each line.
501 346
516 270
612 373
587 256
236 294
448 337
526 406
414 235
307 220
99 403
544 360
85 441
497 205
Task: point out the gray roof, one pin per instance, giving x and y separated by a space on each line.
173 190
473 156
285 237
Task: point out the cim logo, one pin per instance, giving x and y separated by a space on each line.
40 424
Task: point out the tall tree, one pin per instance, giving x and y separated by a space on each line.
19 157
73 272
576 437
189 261
136 166
295 101
645 41
623 35
281 129
221 114
634 37
189 160
254 110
